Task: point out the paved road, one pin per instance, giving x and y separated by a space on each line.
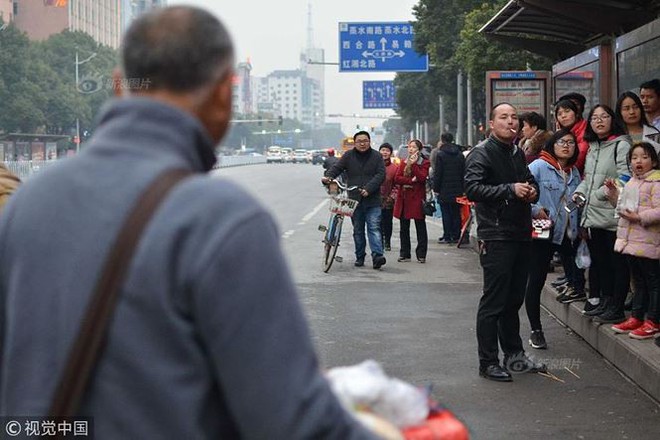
418 321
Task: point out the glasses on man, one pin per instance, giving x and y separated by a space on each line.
596 118
562 143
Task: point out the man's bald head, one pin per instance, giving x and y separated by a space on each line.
179 49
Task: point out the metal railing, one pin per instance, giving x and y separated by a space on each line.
24 169
235 161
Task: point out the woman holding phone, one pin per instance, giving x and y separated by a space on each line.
411 177
558 178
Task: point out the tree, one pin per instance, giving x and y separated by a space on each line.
37 82
448 31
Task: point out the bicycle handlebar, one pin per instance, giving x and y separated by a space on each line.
342 186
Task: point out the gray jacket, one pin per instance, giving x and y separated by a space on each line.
601 164
208 340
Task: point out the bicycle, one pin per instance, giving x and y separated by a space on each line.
340 207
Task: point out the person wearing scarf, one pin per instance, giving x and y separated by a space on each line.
558 178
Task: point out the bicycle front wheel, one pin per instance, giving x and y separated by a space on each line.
331 242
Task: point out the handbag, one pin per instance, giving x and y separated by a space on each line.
90 339
429 208
541 229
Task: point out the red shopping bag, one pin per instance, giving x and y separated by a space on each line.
440 425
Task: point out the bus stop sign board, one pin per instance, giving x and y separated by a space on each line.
379 47
378 94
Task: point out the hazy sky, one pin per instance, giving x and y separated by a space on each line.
273 33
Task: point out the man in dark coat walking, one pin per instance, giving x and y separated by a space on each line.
449 168
364 167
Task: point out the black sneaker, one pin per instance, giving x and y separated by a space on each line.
537 340
573 295
359 262
379 261
563 291
387 247
609 316
559 282
403 259
588 308
602 306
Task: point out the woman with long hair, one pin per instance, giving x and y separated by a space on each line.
411 177
630 111
608 275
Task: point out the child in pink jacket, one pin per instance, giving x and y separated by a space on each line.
638 237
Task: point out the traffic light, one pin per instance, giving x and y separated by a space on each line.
279 120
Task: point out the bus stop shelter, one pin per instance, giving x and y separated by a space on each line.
600 47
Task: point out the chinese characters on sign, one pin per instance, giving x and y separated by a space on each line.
379 47
378 94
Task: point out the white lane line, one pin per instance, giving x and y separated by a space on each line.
318 207
306 218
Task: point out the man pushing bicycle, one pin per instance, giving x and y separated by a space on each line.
364 168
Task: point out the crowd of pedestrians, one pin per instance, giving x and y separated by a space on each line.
598 184
593 183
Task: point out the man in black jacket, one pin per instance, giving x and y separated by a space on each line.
363 166
498 181
449 168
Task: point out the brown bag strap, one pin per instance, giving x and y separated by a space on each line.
90 340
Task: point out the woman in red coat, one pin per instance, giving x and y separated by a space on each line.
411 178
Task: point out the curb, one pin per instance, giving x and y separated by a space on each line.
639 360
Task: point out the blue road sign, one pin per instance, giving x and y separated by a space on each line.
378 94
379 47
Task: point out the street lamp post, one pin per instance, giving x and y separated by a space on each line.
78 90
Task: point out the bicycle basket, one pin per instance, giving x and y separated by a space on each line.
343 206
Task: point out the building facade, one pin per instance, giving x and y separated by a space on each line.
242 96
131 9
6 11
104 20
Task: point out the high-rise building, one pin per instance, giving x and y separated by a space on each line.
131 9
6 10
40 19
242 89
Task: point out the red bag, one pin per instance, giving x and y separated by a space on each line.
440 425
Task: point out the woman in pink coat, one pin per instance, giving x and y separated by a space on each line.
411 178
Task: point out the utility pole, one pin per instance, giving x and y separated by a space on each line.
459 118
78 90
470 125
441 111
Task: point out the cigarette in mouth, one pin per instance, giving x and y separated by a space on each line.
513 131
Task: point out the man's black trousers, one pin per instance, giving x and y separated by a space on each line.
505 266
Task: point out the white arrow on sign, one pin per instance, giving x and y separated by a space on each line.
383 53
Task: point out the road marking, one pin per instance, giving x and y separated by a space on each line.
306 218
288 233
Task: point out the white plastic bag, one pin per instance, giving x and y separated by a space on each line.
582 257
366 386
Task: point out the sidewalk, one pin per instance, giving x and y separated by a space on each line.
638 360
